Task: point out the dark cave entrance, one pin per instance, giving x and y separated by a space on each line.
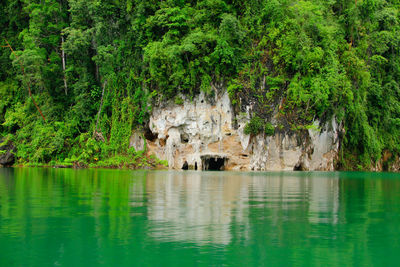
213 162
299 167
185 166
216 164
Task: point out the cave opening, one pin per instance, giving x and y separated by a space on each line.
213 162
149 135
185 166
299 167
216 164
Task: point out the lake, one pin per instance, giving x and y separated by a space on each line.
94 217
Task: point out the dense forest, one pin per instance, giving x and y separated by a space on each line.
61 60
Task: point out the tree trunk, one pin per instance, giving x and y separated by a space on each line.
63 65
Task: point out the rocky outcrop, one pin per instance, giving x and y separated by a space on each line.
7 153
137 141
388 162
204 134
315 149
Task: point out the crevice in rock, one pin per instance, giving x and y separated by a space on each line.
149 135
185 166
299 167
163 141
184 138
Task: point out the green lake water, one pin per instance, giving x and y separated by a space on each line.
92 217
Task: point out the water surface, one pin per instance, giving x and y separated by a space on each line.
65 217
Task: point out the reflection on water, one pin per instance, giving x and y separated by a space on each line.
200 207
196 208
298 218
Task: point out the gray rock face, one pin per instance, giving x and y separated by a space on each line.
316 149
200 134
136 141
7 150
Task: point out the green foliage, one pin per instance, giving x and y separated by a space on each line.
257 125
254 126
178 100
269 129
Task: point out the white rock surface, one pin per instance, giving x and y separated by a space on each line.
198 129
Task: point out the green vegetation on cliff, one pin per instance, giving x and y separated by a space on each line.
310 59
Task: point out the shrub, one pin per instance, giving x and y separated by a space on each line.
178 100
254 126
269 129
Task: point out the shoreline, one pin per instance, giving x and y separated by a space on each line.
162 167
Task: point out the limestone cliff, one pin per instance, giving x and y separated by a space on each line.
203 134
